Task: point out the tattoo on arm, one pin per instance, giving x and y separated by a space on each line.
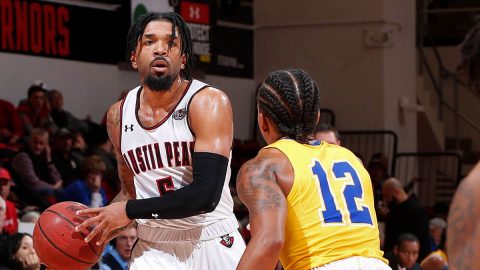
259 189
462 224
113 119
126 180
124 173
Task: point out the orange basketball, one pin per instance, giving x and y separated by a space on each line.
57 243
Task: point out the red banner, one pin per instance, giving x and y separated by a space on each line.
33 27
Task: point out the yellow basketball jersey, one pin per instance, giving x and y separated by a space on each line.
331 213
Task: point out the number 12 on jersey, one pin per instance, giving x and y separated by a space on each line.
352 191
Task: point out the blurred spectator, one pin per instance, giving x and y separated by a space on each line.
37 176
62 156
410 186
437 233
436 260
3 235
87 190
30 217
10 125
10 223
19 253
440 210
27 222
404 215
325 132
79 147
378 170
3 207
61 117
34 112
104 149
118 257
405 253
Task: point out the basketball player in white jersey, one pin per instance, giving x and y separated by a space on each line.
173 137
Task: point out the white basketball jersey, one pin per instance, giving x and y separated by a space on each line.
161 158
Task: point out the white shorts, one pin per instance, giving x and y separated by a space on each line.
221 253
355 263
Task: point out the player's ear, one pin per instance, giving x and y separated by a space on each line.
184 61
318 116
133 59
262 122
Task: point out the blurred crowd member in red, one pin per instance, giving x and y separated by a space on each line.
10 223
10 124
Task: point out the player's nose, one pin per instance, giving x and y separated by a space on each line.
160 48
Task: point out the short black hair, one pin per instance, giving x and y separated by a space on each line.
406 237
290 98
323 127
34 89
470 54
138 27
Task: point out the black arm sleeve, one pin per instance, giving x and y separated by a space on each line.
200 196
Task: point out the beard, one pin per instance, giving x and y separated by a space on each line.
156 83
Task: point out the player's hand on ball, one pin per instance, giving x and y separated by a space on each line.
105 219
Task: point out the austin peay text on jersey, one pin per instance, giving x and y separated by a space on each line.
149 157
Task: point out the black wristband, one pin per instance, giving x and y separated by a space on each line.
200 196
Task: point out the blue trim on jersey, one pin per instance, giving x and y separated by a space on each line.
315 143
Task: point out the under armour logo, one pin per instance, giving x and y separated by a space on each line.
127 128
194 12
155 216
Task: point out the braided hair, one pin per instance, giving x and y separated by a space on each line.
138 27
470 50
290 98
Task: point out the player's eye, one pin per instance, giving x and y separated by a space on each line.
147 42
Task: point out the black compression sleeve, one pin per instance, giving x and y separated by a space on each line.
200 196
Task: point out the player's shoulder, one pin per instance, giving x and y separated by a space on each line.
341 150
267 159
113 120
209 93
470 184
270 166
114 109
211 101
343 153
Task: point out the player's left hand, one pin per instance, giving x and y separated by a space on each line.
105 219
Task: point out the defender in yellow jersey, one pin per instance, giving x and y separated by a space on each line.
310 203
